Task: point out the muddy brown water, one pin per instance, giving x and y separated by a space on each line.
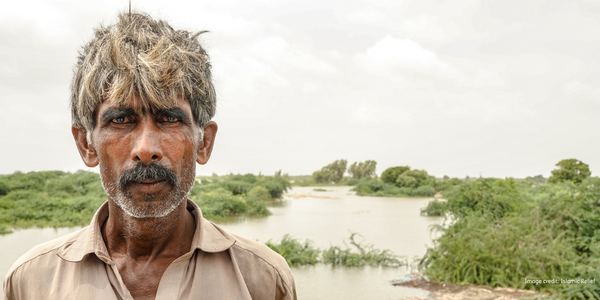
325 217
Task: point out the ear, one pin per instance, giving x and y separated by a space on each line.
87 151
206 145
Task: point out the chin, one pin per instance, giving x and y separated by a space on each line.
150 206
147 210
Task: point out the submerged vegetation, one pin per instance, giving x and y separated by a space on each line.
520 234
357 254
61 199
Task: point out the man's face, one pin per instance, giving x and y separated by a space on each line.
147 159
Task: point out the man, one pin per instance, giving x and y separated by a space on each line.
142 100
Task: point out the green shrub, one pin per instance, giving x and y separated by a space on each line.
378 188
59 199
489 196
406 181
259 193
256 201
49 199
435 208
361 254
237 187
304 253
295 252
220 205
367 186
4 189
502 234
275 185
363 190
423 191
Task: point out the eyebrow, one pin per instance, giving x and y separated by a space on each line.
174 112
121 112
116 112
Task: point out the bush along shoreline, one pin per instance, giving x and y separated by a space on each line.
62 199
298 253
520 234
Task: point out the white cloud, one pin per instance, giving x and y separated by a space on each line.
246 74
576 88
487 78
424 25
51 21
271 48
223 23
367 15
379 113
278 52
405 54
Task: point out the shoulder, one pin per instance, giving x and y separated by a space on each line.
262 254
47 248
260 265
35 261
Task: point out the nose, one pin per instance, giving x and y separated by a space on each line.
147 147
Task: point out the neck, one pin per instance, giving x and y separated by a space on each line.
148 238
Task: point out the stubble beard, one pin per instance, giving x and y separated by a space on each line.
151 205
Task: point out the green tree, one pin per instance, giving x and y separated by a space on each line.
391 174
363 169
570 170
331 173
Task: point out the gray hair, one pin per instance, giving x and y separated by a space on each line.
145 57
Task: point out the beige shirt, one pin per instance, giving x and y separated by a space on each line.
220 265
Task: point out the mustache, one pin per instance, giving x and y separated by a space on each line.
152 171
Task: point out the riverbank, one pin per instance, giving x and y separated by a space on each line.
450 291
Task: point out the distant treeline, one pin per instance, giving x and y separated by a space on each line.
61 199
400 181
518 233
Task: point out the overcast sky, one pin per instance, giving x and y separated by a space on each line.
497 88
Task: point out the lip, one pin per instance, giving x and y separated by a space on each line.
149 186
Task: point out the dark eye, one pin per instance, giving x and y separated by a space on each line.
120 120
170 119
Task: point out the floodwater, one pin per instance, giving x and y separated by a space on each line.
325 217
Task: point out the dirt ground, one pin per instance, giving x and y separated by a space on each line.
449 291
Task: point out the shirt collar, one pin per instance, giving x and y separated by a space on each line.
208 237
